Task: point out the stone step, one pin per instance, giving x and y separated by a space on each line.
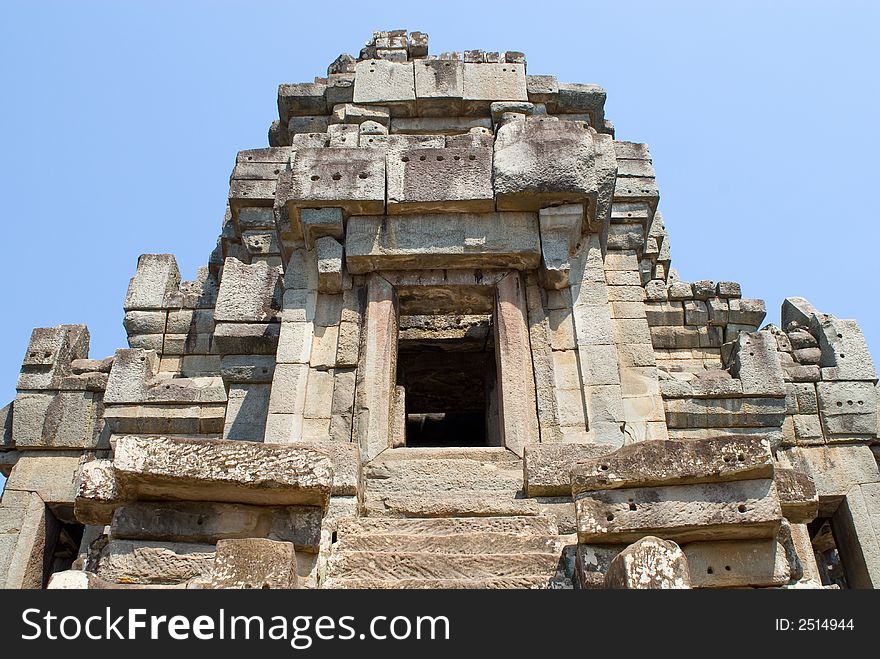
431 504
442 475
462 543
478 453
538 525
538 581
420 565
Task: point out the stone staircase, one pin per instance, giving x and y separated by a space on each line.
445 518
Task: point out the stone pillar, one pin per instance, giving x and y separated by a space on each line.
513 357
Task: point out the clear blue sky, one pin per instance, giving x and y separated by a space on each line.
121 120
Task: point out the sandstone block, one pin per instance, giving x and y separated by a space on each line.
349 178
318 222
439 86
797 495
484 83
683 513
460 240
248 293
157 276
223 471
580 171
155 563
547 467
757 364
254 563
649 563
386 83
650 463
737 564
456 180
843 349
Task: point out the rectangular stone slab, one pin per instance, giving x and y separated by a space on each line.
133 561
737 564
547 467
452 180
222 470
352 179
684 513
797 495
459 240
669 462
207 522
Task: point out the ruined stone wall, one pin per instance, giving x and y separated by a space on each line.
255 431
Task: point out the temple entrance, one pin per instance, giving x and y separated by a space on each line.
446 365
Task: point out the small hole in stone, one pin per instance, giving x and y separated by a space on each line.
343 139
370 140
456 158
337 175
842 355
861 402
751 354
372 70
727 458
840 336
363 175
33 354
741 457
404 159
439 158
143 359
710 571
47 355
265 587
632 506
250 158
839 404
423 157
741 507
277 170
609 517
727 567
315 177
603 467
849 402
265 370
473 157
333 537
168 386
200 521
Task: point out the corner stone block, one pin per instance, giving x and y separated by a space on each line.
319 222
132 367
157 276
797 310
581 170
248 293
484 83
845 355
254 563
649 563
561 228
49 355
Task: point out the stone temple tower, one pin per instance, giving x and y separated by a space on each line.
439 344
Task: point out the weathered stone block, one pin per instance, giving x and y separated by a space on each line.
647 564
439 86
756 363
737 564
300 100
650 463
797 495
51 474
547 467
484 83
452 180
348 178
848 408
157 276
683 513
246 412
391 84
580 170
245 339
843 349
248 293
254 563
224 471
331 271
136 562
459 240
318 222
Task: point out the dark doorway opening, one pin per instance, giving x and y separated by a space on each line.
446 365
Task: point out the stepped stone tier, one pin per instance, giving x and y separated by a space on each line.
440 344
